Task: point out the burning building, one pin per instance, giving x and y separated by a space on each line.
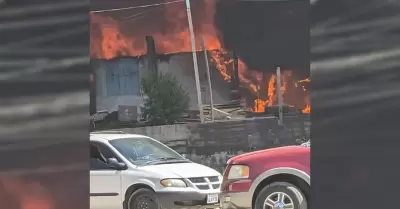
118 80
122 35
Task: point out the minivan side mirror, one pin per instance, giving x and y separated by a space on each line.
113 163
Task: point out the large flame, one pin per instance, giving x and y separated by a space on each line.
108 39
111 38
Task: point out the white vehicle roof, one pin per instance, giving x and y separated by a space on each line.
111 135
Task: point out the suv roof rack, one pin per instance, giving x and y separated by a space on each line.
108 132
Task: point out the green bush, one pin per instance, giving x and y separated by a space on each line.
165 100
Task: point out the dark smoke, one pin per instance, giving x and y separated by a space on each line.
266 34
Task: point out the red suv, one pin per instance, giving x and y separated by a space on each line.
268 179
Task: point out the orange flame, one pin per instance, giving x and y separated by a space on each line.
111 38
307 109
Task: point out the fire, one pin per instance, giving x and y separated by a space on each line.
112 37
271 90
307 80
259 104
307 109
218 58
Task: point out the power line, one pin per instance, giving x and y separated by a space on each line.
135 7
140 14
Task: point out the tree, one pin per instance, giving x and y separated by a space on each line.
165 100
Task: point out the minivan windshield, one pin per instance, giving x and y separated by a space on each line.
145 151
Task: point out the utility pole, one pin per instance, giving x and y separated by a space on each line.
195 64
279 93
236 82
208 78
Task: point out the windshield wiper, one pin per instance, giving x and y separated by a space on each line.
162 160
167 158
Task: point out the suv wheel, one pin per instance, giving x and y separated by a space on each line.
143 199
280 195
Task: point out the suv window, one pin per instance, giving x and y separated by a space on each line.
99 153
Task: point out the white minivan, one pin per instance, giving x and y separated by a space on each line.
129 171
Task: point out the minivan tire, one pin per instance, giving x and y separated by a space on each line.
290 192
143 198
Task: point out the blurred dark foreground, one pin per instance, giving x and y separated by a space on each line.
44 101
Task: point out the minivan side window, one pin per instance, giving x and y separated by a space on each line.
99 153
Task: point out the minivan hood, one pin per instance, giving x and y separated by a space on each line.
181 170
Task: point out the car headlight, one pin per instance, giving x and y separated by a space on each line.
238 172
173 183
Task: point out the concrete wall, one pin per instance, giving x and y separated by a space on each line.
212 144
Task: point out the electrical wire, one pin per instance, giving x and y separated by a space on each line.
136 7
140 14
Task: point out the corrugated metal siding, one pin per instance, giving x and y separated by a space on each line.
122 76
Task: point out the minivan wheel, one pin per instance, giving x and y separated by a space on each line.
143 198
280 195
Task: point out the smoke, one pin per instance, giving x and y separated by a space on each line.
266 34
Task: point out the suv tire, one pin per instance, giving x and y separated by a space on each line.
143 198
278 194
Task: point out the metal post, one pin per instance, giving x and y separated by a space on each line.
195 64
151 54
208 78
279 93
236 71
235 95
